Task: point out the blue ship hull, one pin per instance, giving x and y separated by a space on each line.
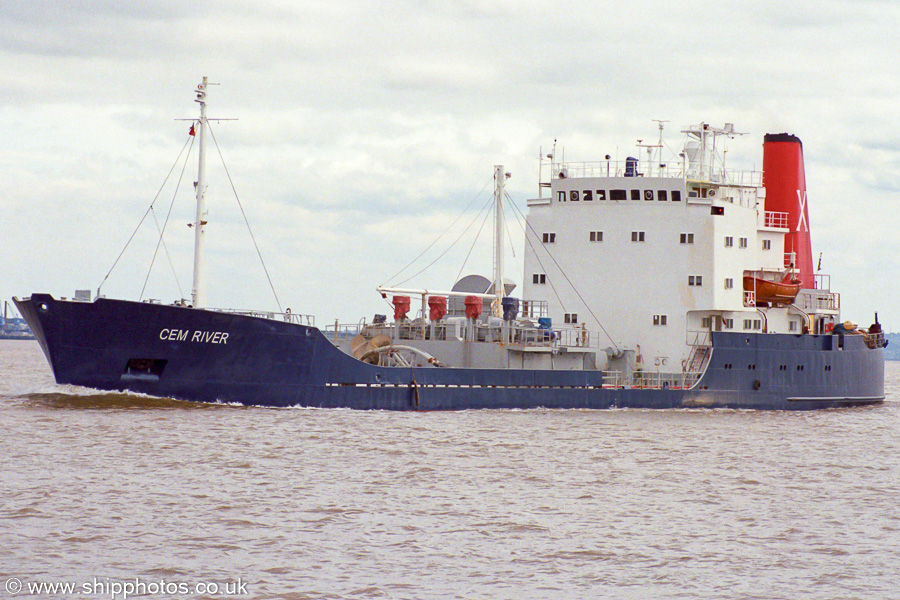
209 356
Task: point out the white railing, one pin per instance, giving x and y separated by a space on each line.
813 300
698 337
823 282
775 219
534 309
287 316
338 332
615 168
507 333
650 380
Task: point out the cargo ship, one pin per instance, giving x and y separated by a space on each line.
647 283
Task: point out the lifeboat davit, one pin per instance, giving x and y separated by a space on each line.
773 292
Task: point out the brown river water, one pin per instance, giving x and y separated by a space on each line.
120 496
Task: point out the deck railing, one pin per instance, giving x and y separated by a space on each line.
775 219
287 316
651 379
644 168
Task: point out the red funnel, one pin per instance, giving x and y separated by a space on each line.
785 181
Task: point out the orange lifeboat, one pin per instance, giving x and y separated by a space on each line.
773 292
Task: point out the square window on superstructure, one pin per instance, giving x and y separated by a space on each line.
729 283
767 244
676 196
601 194
659 319
618 194
729 241
695 280
635 194
596 236
792 325
549 238
706 322
747 323
662 196
637 236
743 242
560 196
539 278
728 323
571 318
687 238
587 195
756 323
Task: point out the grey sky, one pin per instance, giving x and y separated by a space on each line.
364 128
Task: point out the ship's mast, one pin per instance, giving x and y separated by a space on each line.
499 180
198 292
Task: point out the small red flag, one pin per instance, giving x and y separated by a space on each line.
191 132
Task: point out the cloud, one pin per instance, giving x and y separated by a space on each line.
361 126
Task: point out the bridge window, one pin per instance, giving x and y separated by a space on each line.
617 195
661 195
601 194
635 194
587 195
676 196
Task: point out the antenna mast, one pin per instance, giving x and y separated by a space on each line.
499 179
198 291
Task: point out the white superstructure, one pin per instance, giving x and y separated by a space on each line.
654 253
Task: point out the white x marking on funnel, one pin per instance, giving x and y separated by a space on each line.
801 223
